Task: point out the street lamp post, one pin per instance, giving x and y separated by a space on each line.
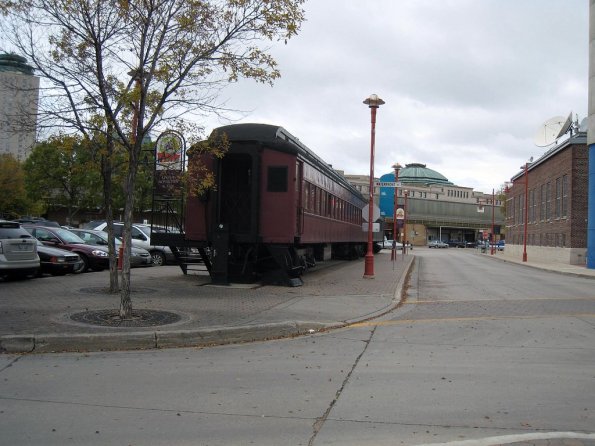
406 193
393 253
373 102
526 212
493 247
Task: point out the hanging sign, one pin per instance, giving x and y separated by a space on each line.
169 151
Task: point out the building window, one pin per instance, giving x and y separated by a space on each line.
565 196
558 197
542 209
548 198
512 209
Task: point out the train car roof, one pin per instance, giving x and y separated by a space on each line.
276 137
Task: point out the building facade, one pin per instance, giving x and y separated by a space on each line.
435 208
548 202
19 95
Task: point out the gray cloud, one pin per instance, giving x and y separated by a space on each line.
466 82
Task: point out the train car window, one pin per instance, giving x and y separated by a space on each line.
307 197
277 179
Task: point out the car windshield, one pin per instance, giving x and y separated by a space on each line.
146 230
68 236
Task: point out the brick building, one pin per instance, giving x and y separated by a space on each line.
556 209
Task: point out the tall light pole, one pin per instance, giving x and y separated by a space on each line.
493 246
406 193
526 213
393 253
373 102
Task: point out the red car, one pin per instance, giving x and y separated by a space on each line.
92 257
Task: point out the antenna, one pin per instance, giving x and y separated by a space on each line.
549 131
566 126
583 125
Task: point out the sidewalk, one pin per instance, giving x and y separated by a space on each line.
35 315
561 268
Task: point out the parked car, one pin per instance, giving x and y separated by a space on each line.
38 221
388 244
138 256
18 251
141 238
92 256
437 244
56 261
499 245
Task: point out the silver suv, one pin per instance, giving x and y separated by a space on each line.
18 251
141 238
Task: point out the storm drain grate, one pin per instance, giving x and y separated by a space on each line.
140 318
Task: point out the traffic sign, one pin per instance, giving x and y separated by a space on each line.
375 212
387 183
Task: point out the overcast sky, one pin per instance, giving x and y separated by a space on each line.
467 83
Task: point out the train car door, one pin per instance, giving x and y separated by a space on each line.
236 190
299 190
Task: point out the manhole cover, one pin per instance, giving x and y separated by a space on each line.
140 318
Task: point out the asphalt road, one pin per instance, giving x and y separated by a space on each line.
481 353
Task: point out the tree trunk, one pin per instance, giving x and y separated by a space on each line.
106 173
125 300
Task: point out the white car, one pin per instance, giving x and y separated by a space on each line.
388 244
18 251
141 238
437 244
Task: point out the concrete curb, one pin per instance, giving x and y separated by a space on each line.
52 343
211 336
541 267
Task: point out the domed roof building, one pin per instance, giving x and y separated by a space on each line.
435 208
15 63
417 173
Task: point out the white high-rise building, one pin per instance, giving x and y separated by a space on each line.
19 96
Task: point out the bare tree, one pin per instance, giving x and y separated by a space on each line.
126 67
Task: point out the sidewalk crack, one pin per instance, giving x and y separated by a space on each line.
319 423
10 364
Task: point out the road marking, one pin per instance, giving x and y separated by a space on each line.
448 301
465 319
507 439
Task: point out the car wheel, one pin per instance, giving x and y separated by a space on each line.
83 265
158 258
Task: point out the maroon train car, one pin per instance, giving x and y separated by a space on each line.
276 209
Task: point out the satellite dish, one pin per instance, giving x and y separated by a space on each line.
549 131
565 126
583 127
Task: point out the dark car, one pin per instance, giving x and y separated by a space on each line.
138 256
92 256
56 261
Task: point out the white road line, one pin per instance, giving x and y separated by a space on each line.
507 439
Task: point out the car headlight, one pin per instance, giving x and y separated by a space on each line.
99 253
